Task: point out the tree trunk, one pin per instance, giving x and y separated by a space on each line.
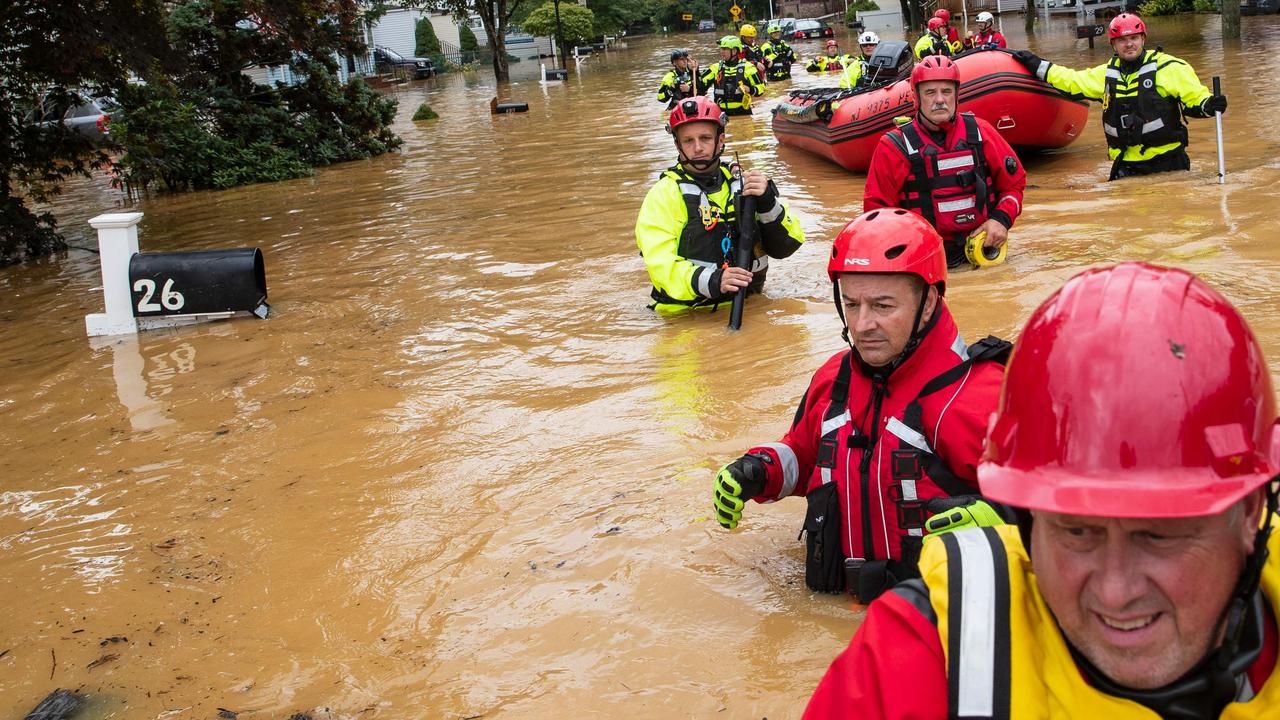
1230 20
497 43
1029 17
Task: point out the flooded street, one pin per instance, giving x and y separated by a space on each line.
462 471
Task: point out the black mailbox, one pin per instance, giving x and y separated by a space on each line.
193 283
1089 31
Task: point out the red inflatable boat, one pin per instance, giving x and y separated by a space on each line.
845 125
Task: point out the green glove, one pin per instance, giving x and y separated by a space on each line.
735 484
951 514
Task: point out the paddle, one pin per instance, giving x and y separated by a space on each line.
746 212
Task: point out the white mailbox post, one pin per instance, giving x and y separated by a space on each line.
117 243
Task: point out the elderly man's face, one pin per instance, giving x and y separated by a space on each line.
1143 599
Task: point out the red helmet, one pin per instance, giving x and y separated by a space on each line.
890 240
1126 24
936 23
696 109
935 67
1134 391
943 13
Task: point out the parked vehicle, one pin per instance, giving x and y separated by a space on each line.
1259 7
387 61
810 28
706 26
91 117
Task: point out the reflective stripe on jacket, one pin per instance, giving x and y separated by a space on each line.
880 459
1174 88
1006 656
681 230
951 185
733 85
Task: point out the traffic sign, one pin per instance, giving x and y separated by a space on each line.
735 11
687 17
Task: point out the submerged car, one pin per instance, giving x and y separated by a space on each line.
88 115
811 28
387 61
706 26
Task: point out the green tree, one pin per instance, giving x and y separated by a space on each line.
98 43
426 44
205 124
575 22
496 16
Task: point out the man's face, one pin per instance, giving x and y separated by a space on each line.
1142 598
727 54
937 101
867 49
880 309
832 51
984 27
698 140
748 40
775 36
1129 47
682 64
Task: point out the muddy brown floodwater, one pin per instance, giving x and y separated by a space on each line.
462 472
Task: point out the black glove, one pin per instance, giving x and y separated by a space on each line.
766 201
1029 60
735 484
1214 104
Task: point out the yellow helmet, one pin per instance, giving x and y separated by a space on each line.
748 31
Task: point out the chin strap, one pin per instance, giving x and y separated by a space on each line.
700 166
917 334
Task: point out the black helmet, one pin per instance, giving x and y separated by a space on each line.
677 54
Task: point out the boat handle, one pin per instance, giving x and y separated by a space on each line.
1005 123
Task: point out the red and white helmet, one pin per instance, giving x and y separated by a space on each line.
935 67
1126 24
890 240
1134 391
832 43
696 109
943 13
986 17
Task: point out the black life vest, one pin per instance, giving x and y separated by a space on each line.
952 188
913 463
710 234
1136 113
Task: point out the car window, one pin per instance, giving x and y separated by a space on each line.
806 25
89 110
391 54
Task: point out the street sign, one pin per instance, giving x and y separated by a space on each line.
687 17
735 11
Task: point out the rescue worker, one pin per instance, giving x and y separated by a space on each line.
1138 582
885 427
750 51
1145 95
681 81
934 41
857 69
987 36
732 81
688 222
832 61
952 33
778 55
956 171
